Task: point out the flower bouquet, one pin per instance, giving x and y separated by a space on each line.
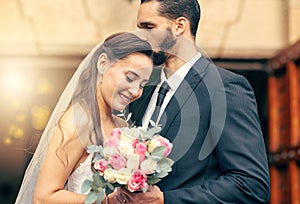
132 158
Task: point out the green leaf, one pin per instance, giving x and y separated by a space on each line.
158 153
164 164
94 148
128 117
140 139
162 174
153 131
145 189
100 196
147 154
152 123
98 181
153 180
86 185
91 197
97 157
109 188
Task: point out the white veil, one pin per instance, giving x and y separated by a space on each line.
80 97
27 188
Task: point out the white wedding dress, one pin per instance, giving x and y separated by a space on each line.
78 176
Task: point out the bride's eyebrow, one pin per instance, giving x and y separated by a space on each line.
128 71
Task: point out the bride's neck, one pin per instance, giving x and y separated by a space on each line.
106 118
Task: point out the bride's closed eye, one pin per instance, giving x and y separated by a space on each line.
132 76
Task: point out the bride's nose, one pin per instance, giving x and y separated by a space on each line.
134 91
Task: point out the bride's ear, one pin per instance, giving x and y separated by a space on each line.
102 63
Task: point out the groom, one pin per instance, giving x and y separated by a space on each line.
208 113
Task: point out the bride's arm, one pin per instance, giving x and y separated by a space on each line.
63 153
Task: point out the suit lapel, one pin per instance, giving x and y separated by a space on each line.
183 93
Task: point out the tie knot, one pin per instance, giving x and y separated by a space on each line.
164 88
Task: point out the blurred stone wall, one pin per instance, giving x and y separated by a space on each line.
228 29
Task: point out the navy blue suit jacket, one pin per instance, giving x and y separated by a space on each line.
218 150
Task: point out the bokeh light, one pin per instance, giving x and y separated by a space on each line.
44 87
14 81
40 116
7 141
15 132
20 117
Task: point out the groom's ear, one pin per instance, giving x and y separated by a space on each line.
181 26
102 63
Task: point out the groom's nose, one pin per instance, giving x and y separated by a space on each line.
143 33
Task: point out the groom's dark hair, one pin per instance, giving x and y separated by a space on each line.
173 9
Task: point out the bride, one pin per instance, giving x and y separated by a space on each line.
109 78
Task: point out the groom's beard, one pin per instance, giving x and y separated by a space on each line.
159 58
168 42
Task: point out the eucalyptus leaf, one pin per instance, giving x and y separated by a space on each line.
98 157
98 181
86 186
164 164
91 197
151 132
100 196
153 180
109 188
156 158
162 174
147 154
94 148
140 139
128 117
145 189
152 123
159 152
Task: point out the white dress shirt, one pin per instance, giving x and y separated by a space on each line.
173 81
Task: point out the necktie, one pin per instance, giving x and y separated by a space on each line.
164 88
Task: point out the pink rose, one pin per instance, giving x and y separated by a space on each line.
135 142
165 142
117 161
137 181
115 133
114 138
140 148
101 165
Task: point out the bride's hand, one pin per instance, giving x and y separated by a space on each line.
112 197
153 196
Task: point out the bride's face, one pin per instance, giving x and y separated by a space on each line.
124 80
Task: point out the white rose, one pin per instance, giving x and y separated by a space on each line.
122 176
107 151
125 145
148 166
109 176
153 144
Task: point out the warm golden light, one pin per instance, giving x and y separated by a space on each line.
44 86
16 132
20 117
14 81
7 141
40 116
16 104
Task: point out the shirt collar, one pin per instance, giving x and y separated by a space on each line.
175 79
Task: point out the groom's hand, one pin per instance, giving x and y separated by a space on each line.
153 196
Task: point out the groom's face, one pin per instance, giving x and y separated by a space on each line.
158 30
